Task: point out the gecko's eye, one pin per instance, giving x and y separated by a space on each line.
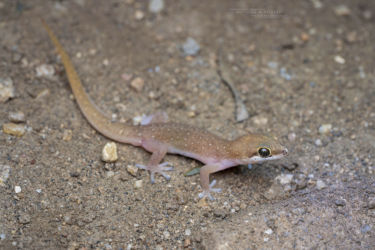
264 152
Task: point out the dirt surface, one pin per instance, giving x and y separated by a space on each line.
305 70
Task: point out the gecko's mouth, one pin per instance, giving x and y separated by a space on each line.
257 159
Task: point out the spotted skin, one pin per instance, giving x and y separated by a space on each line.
161 137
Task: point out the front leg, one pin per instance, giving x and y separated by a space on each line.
153 166
205 180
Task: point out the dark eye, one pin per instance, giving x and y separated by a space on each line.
264 152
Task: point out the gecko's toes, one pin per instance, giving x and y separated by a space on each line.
161 168
141 166
207 193
152 177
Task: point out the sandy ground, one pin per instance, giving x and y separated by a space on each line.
305 70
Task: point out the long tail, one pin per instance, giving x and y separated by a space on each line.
115 131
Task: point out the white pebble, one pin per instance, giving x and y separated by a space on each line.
138 119
139 15
320 184
285 178
17 189
339 59
155 6
325 128
318 142
138 184
45 70
110 174
4 174
188 232
16 116
292 137
190 47
6 89
260 120
268 231
342 10
166 234
109 152
317 4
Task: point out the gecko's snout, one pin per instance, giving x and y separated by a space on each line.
285 151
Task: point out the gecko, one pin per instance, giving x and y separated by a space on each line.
160 137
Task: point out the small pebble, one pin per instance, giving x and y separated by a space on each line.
301 183
370 204
110 174
340 203
339 59
325 128
16 117
67 135
42 93
268 231
202 203
6 89
284 74
305 37
342 10
191 114
45 70
2 236
17 189
351 37
190 47
155 6
14 129
320 184
366 228
137 84
138 119
166 234
367 14
109 152
106 62
317 4
133 170
187 243
138 183
292 137
188 232
220 213
318 142
126 76
285 178
139 15
260 120
4 174
24 218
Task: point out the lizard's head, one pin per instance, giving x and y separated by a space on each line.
253 148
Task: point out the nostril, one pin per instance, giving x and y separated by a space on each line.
285 151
